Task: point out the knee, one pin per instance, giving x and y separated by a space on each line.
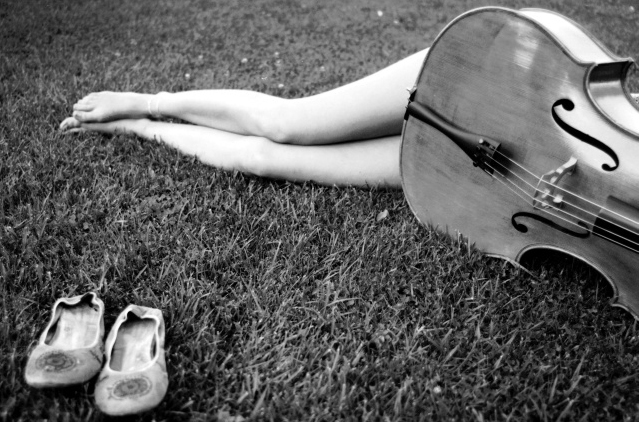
277 122
260 157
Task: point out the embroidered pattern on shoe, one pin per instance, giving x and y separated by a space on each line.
131 388
56 361
96 356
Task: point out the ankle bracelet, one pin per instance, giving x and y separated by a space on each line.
153 105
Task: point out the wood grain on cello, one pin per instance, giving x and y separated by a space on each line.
520 134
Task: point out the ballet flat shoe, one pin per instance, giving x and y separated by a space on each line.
134 377
69 351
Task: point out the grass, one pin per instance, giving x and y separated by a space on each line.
282 301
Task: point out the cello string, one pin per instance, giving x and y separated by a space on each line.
565 201
602 208
547 211
562 211
564 219
554 196
566 190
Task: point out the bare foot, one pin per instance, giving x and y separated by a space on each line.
70 124
123 126
108 106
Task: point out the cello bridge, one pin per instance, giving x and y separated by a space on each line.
548 194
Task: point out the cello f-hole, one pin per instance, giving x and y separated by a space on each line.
568 105
520 227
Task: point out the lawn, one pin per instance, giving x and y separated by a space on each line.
282 301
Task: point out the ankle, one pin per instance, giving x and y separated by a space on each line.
143 128
154 105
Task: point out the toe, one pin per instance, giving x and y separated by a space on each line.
69 123
82 106
87 98
79 116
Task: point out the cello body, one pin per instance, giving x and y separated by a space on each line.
562 170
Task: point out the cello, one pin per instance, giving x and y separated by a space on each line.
520 134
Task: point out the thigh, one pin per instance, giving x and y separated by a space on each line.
365 109
373 162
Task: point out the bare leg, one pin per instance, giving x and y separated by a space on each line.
364 163
253 132
369 108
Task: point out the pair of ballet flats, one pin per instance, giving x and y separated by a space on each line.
70 351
